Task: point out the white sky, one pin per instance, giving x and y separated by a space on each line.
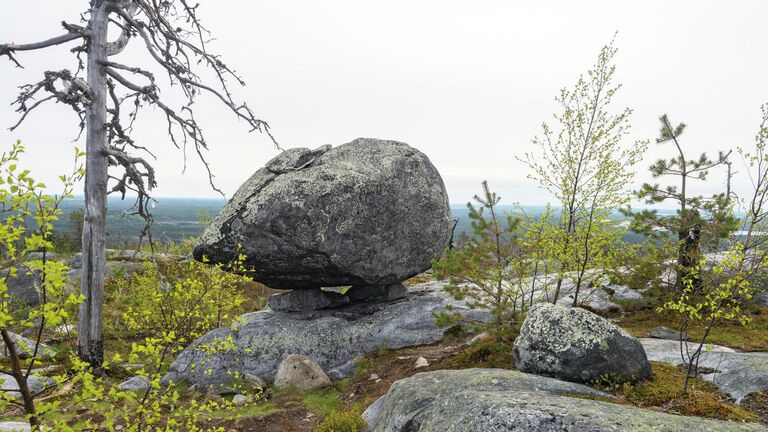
467 83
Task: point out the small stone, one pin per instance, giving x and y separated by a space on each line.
254 381
131 366
239 399
300 372
136 384
377 292
373 377
421 362
305 300
478 338
668 333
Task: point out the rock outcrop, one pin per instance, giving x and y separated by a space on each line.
472 400
335 338
737 374
576 345
369 212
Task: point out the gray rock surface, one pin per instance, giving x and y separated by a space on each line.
36 384
369 212
15 427
377 292
22 288
495 400
761 298
333 337
305 300
300 372
25 348
667 333
136 384
738 374
576 345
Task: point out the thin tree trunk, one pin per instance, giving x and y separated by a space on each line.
21 381
89 326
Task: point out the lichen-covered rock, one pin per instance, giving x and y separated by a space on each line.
25 348
258 341
135 384
369 212
495 400
23 287
576 345
35 383
300 372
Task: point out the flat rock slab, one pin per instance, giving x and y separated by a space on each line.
498 400
668 333
334 338
739 374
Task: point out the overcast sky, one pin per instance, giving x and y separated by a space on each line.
467 83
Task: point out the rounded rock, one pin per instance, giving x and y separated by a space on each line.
369 212
300 372
576 345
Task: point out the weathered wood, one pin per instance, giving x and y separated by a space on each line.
89 327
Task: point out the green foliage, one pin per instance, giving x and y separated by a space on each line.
27 227
336 421
709 293
663 390
587 167
641 266
161 310
486 272
699 220
186 298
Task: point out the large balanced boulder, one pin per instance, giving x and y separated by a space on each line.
574 344
334 338
369 212
473 400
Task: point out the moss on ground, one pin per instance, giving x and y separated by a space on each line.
641 317
665 391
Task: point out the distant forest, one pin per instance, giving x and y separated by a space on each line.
176 218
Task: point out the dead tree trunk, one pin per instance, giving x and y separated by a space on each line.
89 326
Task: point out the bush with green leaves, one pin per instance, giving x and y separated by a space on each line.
187 298
337 421
488 272
169 309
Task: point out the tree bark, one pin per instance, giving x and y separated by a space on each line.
89 326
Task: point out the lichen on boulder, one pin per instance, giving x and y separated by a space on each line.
576 345
369 212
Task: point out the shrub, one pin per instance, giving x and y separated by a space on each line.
349 421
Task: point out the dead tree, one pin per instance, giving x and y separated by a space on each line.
107 102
